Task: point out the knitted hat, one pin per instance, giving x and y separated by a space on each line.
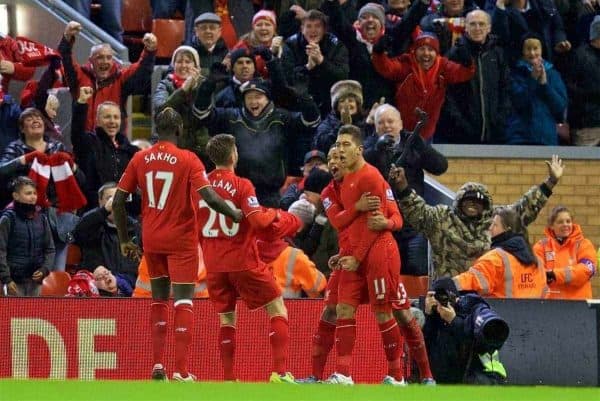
375 10
256 84
265 14
595 28
186 49
427 39
304 210
241 52
317 180
344 88
207 17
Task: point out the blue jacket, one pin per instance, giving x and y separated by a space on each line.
536 108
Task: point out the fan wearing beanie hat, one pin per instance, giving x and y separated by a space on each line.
371 21
185 63
304 210
418 76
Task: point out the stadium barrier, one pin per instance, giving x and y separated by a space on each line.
551 342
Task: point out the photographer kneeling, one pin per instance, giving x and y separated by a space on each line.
463 336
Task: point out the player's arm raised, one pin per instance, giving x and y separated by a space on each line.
217 203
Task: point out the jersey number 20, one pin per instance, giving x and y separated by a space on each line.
208 231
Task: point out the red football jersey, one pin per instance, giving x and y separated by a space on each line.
366 179
229 246
167 177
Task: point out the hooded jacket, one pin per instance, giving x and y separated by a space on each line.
573 262
509 270
418 88
456 239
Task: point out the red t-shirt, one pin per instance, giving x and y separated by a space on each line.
229 246
167 177
360 238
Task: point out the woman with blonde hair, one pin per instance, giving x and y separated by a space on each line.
568 257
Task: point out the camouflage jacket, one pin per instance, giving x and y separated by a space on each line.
457 240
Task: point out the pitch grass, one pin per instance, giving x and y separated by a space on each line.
51 390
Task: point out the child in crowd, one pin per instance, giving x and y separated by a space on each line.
26 245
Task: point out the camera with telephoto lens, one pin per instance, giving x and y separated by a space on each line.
489 329
443 296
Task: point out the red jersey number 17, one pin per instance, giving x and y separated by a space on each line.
165 176
209 231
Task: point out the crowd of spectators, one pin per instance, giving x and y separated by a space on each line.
484 73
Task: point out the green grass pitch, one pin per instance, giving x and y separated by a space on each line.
48 390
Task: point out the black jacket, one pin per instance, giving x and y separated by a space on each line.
209 58
99 243
583 84
319 80
326 133
453 355
99 159
475 111
270 146
25 246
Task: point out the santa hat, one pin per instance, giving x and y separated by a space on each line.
82 284
344 88
427 39
266 15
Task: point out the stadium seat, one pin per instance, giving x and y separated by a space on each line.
415 286
136 16
73 258
55 284
169 34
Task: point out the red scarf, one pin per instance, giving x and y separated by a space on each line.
426 79
227 29
177 80
59 166
34 54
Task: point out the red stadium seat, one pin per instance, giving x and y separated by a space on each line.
169 34
415 286
55 284
73 258
136 16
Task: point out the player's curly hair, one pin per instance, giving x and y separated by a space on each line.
168 122
219 149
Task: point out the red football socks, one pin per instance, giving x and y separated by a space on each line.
345 334
416 345
279 336
184 325
390 335
227 348
159 319
323 341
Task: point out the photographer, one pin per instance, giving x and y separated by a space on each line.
463 336
392 141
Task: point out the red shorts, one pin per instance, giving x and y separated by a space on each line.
181 267
331 291
257 287
377 281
